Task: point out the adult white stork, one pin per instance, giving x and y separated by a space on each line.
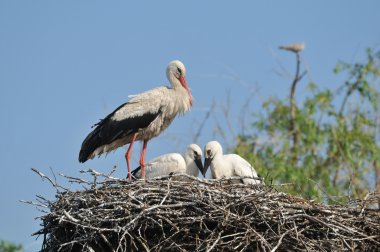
143 117
227 166
174 163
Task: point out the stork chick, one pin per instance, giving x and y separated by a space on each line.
227 166
174 163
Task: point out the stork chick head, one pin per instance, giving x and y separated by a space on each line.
194 152
212 149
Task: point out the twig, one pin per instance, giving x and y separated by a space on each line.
215 242
207 116
280 240
54 184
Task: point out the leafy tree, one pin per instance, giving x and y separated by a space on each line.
326 146
6 246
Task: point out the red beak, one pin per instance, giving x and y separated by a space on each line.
184 84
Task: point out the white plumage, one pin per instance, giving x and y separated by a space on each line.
143 117
227 166
174 163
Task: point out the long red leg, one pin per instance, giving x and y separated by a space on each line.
142 159
128 156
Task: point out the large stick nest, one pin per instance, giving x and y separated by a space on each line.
199 215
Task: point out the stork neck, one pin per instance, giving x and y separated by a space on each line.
181 101
174 81
177 86
188 159
191 166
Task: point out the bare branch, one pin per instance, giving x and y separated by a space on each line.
207 116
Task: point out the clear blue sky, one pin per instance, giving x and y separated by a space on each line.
66 64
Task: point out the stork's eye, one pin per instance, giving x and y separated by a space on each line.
196 154
209 153
179 71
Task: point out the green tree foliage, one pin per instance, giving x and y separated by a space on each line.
6 246
326 146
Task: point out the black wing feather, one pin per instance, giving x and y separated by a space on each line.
135 171
108 130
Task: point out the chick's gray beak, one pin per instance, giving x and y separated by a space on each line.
206 165
198 162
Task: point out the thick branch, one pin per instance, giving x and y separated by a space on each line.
293 117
